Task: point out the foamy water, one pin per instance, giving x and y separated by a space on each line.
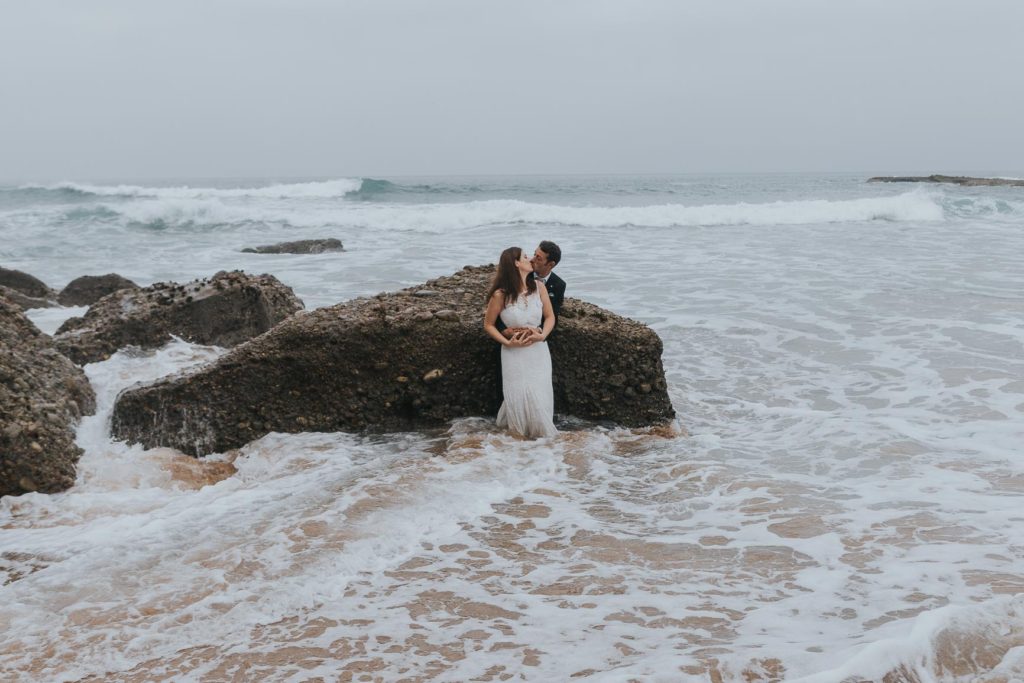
848 361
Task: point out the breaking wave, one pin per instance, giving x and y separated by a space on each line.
195 211
321 189
372 188
373 203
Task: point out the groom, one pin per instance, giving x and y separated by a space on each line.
545 257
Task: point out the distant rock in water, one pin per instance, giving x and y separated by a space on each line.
954 179
42 396
224 310
299 247
395 361
24 301
26 284
88 289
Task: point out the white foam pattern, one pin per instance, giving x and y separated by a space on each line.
846 506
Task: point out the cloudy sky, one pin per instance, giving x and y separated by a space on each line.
105 89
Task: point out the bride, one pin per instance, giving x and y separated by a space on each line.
529 403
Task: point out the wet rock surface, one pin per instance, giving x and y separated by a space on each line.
966 181
88 289
224 310
26 284
43 395
24 301
299 247
411 359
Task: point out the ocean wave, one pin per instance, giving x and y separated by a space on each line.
993 207
189 214
441 217
950 643
374 189
320 189
382 204
907 207
370 188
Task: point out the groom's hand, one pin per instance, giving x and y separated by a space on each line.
521 337
510 332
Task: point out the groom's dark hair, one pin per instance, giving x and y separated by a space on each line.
552 250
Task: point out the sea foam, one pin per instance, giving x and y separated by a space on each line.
327 188
848 503
197 210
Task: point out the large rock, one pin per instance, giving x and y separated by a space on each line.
224 310
42 397
24 301
26 284
966 181
88 289
406 360
300 247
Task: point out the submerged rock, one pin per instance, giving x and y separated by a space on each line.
224 310
25 284
394 361
300 247
42 396
966 181
88 289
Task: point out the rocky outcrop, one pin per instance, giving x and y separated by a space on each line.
966 181
88 289
26 284
42 396
299 247
405 360
24 301
224 310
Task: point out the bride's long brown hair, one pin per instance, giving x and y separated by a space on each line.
507 279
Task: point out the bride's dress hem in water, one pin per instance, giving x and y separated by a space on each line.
529 403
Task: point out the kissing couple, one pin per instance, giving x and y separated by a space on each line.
523 304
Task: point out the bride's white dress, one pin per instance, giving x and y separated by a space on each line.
529 404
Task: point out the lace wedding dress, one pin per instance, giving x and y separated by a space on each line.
529 404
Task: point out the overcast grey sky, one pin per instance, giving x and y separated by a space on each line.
183 88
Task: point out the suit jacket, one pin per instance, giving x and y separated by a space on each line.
556 292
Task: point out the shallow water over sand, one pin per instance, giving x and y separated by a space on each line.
843 501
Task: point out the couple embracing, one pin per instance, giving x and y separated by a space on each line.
522 310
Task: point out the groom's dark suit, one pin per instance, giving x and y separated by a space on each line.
556 292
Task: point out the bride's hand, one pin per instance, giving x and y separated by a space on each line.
534 335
